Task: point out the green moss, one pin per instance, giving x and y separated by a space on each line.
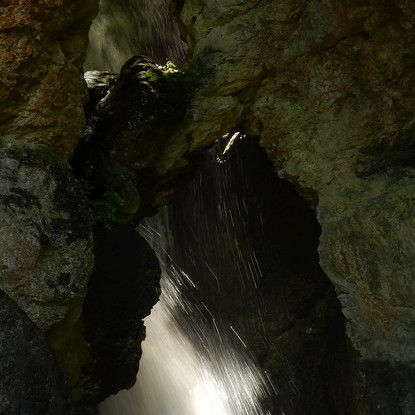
46 150
22 151
153 76
192 30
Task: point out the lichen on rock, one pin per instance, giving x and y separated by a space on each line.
46 240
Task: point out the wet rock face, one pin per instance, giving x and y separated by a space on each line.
338 72
98 82
42 47
46 240
31 380
329 88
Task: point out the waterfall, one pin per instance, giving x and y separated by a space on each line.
194 362
124 28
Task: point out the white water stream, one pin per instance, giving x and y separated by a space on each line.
177 378
124 28
190 365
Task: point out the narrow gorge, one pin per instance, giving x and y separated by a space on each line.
264 151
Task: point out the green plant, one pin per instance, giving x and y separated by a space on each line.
101 187
169 68
187 76
106 209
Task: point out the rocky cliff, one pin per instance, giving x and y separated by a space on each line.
50 250
41 89
328 87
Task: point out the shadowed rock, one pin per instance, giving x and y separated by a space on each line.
124 287
127 133
31 381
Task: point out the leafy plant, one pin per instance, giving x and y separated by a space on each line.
106 209
186 75
169 67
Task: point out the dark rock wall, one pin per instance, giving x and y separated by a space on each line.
123 288
31 381
328 88
127 132
46 244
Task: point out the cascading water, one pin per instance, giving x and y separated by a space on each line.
124 28
193 363
196 359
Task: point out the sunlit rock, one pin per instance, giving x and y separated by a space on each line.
42 47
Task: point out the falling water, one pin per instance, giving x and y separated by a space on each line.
192 363
124 28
